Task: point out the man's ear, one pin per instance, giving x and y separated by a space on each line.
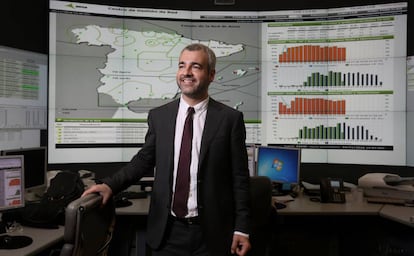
212 75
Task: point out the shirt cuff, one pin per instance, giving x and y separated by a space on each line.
241 233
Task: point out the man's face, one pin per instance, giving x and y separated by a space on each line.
193 77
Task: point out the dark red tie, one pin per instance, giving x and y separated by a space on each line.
182 184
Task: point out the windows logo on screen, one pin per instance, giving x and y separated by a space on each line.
277 164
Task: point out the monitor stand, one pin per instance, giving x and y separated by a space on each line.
280 189
276 192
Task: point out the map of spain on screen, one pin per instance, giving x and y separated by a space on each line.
136 55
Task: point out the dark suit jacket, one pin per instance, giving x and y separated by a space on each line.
223 177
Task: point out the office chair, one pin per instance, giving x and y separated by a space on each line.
88 226
261 214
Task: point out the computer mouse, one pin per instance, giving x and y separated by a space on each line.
6 242
280 205
7 239
14 242
122 202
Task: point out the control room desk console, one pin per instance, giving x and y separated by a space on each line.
355 205
353 228
43 239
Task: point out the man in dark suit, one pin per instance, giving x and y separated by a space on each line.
216 218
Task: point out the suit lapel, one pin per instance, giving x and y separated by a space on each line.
170 131
213 120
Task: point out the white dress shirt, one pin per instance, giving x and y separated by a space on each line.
199 119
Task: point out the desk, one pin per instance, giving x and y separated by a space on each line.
321 228
138 207
301 206
46 238
42 239
401 214
132 220
354 228
355 205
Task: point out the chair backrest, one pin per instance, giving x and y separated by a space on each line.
88 226
261 214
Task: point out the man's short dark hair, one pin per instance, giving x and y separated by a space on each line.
201 47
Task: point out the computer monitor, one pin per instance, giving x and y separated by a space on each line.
12 197
35 169
12 182
280 164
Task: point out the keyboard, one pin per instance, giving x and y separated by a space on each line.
131 194
276 192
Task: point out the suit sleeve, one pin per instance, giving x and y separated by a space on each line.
141 164
240 174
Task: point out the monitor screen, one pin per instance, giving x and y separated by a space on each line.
35 166
280 164
12 182
23 97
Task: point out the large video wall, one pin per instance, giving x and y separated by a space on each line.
331 81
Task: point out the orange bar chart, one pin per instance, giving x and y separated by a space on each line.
315 106
312 53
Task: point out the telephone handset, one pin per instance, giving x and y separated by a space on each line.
332 190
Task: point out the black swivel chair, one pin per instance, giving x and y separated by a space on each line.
88 226
261 214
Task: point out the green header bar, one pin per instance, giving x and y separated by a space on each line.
30 87
330 22
324 93
102 120
327 40
125 120
30 72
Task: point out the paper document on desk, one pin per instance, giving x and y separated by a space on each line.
284 198
311 186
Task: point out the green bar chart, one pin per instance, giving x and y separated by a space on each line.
340 131
332 78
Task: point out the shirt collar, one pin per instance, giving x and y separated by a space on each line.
201 106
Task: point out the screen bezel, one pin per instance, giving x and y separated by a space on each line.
22 151
251 158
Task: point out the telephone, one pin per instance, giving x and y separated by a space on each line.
332 190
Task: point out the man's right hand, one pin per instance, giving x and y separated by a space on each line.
104 190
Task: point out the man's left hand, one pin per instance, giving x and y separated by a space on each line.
241 245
